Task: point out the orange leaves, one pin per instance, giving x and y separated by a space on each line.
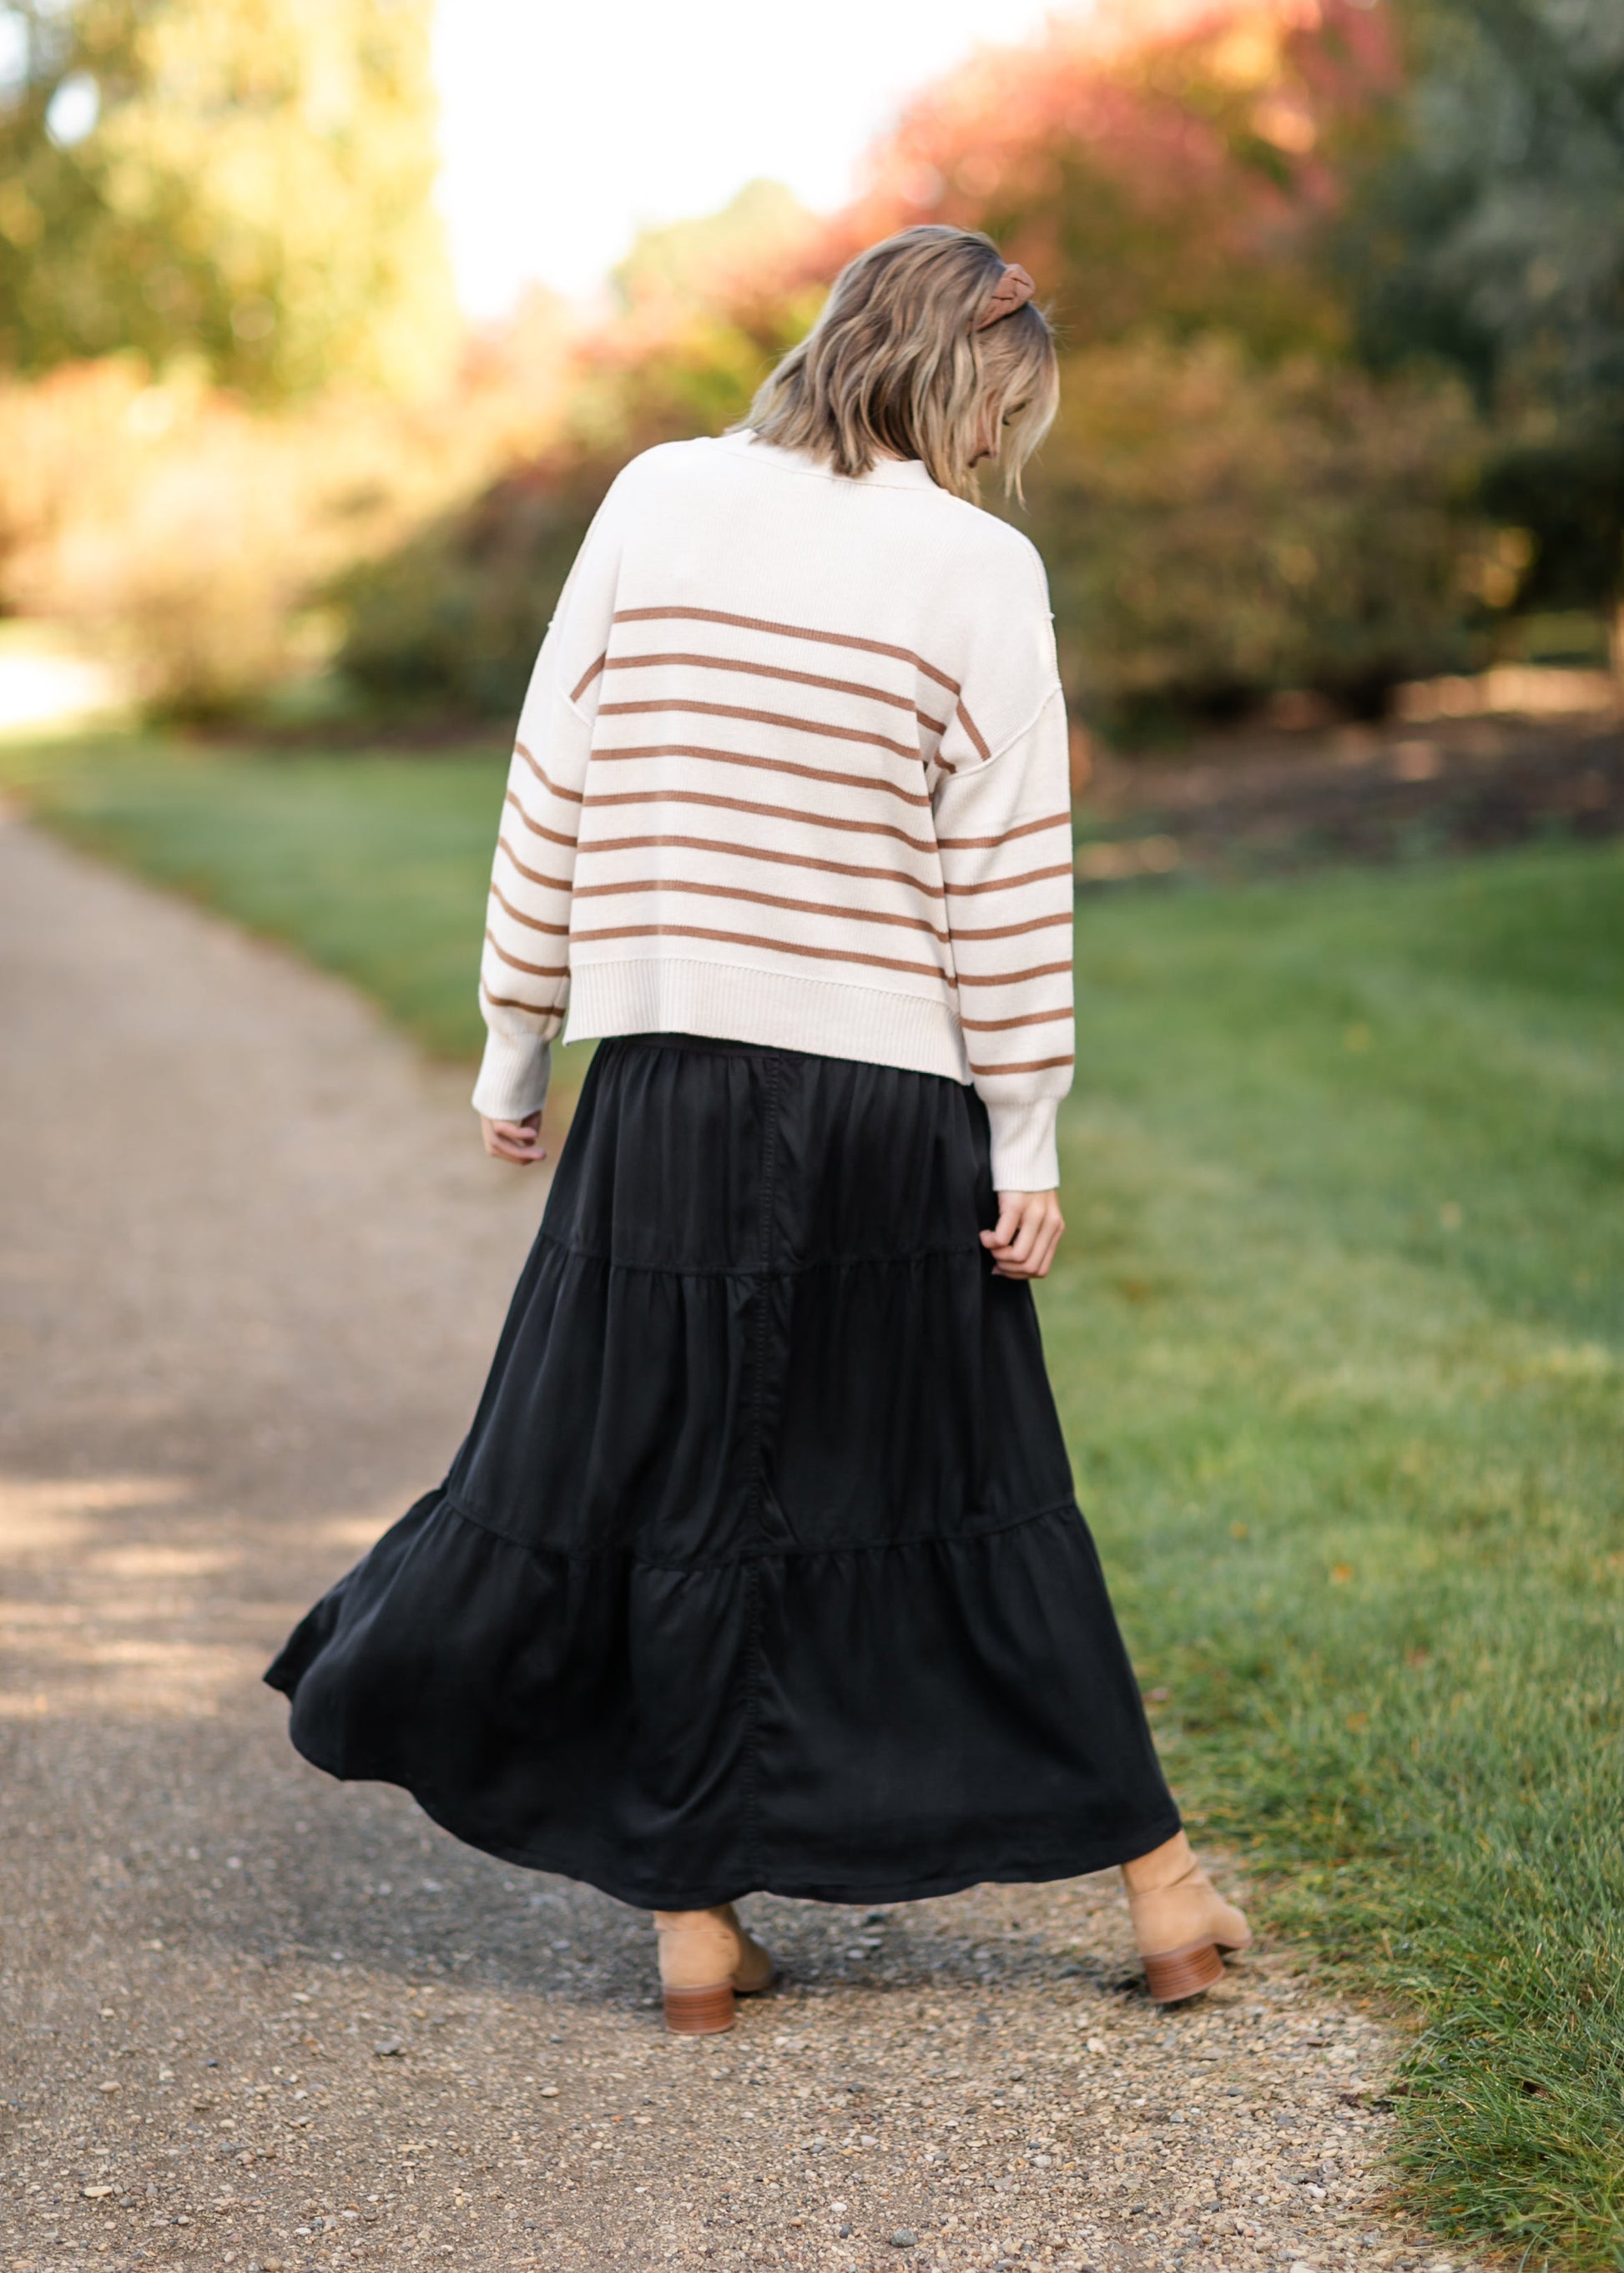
1132 156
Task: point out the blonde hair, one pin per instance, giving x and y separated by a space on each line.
895 366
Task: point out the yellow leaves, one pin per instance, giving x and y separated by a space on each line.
1496 573
1246 56
1287 122
21 222
1341 1573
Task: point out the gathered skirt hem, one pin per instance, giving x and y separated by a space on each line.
633 1559
569 1856
803 1723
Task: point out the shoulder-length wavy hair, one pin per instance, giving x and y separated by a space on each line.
895 366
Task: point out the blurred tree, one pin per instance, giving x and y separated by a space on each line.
1489 232
706 308
1217 529
246 183
1166 164
1227 508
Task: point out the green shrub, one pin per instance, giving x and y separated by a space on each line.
1216 531
453 618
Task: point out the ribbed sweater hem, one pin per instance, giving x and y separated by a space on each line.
737 1002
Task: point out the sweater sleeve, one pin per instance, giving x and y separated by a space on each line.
1004 829
524 967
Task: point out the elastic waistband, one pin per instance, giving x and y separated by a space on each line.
719 1045
713 1044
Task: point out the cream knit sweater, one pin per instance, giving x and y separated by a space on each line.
792 770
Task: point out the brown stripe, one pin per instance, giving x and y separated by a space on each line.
534 969
580 685
519 916
759 718
1002 1025
1014 931
1012 978
1009 884
573 795
788 631
761 852
968 724
764 900
778 670
534 827
707 798
513 1002
766 765
1028 1065
1026 828
535 876
772 946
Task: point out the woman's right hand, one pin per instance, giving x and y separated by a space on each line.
1023 1242
518 1141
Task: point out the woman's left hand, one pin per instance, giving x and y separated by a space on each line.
1022 1243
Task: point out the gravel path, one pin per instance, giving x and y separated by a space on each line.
253 1267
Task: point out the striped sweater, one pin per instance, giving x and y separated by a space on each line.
792 770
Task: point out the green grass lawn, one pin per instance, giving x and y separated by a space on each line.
1338 1338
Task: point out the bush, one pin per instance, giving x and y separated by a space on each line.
193 537
1216 531
455 615
453 618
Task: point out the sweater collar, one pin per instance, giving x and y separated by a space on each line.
885 473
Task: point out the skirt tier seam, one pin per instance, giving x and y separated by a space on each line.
580 1253
545 1549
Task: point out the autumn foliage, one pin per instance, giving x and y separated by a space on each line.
1231 503
1158 164
1225 506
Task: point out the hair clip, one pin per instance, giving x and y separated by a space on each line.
1012 291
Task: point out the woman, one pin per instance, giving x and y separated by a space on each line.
761 1566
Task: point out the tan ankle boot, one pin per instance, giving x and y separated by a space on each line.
1181 1922
706 1959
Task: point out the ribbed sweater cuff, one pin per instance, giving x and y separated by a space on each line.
1025 1157
513 1077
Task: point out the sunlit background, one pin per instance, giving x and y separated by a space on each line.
1339 285
565 130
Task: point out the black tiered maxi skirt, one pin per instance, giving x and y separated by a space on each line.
760 1568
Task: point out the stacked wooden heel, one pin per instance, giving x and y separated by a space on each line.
1182 1923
